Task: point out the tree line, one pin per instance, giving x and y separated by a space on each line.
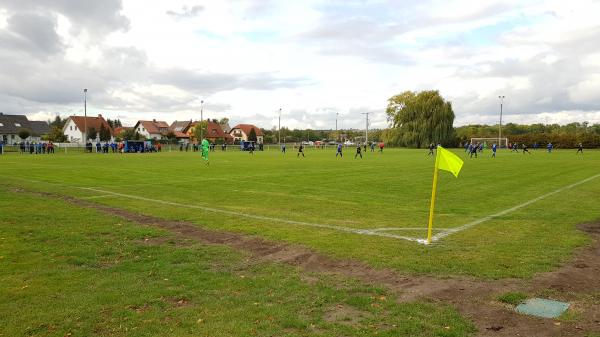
562 136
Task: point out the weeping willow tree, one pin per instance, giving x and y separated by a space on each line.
418 119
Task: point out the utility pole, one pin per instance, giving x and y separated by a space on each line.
500 126
201 120
85 116
279 137
366 126
336 133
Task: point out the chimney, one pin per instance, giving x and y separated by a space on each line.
99 115
154 120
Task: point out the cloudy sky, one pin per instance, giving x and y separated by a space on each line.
312 58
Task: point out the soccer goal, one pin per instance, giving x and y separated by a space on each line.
488 142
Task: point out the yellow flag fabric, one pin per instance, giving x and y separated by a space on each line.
448 161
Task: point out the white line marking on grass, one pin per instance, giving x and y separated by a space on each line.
387 229
509 210
258 217
97 196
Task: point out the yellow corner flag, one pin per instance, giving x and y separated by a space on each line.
447 161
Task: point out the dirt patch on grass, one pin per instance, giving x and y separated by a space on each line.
177 302
474 298
582 274
345 315
167 240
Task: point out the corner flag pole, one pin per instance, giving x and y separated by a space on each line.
432 206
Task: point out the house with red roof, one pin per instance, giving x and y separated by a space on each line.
152 129
75 126
180 128
242 132
214 134
121 129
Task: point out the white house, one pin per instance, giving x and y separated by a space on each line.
242 131
152 129
75 125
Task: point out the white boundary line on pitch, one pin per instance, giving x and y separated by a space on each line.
97 196
509 210
258 217
391 229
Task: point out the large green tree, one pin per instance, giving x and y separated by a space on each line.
92 133
252 135
130 134
104 133
418 119
56 134
171 137
24 133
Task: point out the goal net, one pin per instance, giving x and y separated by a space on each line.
488 142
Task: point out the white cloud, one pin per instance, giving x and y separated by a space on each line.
248 58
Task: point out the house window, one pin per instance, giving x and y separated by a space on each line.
18 125
71 128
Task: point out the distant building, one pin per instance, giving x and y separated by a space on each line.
152 129
242 131
226 128
10 125
214 134
180 129
75 126
120 129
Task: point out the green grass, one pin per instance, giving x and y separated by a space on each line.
70 271
513 298
389 190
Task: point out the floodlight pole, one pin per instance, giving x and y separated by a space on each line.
84 116
366 126
500 125
336 119
201 120
279 127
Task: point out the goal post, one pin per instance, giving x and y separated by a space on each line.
488 142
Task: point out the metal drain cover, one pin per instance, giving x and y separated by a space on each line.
542 308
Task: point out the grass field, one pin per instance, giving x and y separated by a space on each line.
324 202
70 271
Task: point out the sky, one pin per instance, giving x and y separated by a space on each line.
316 60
